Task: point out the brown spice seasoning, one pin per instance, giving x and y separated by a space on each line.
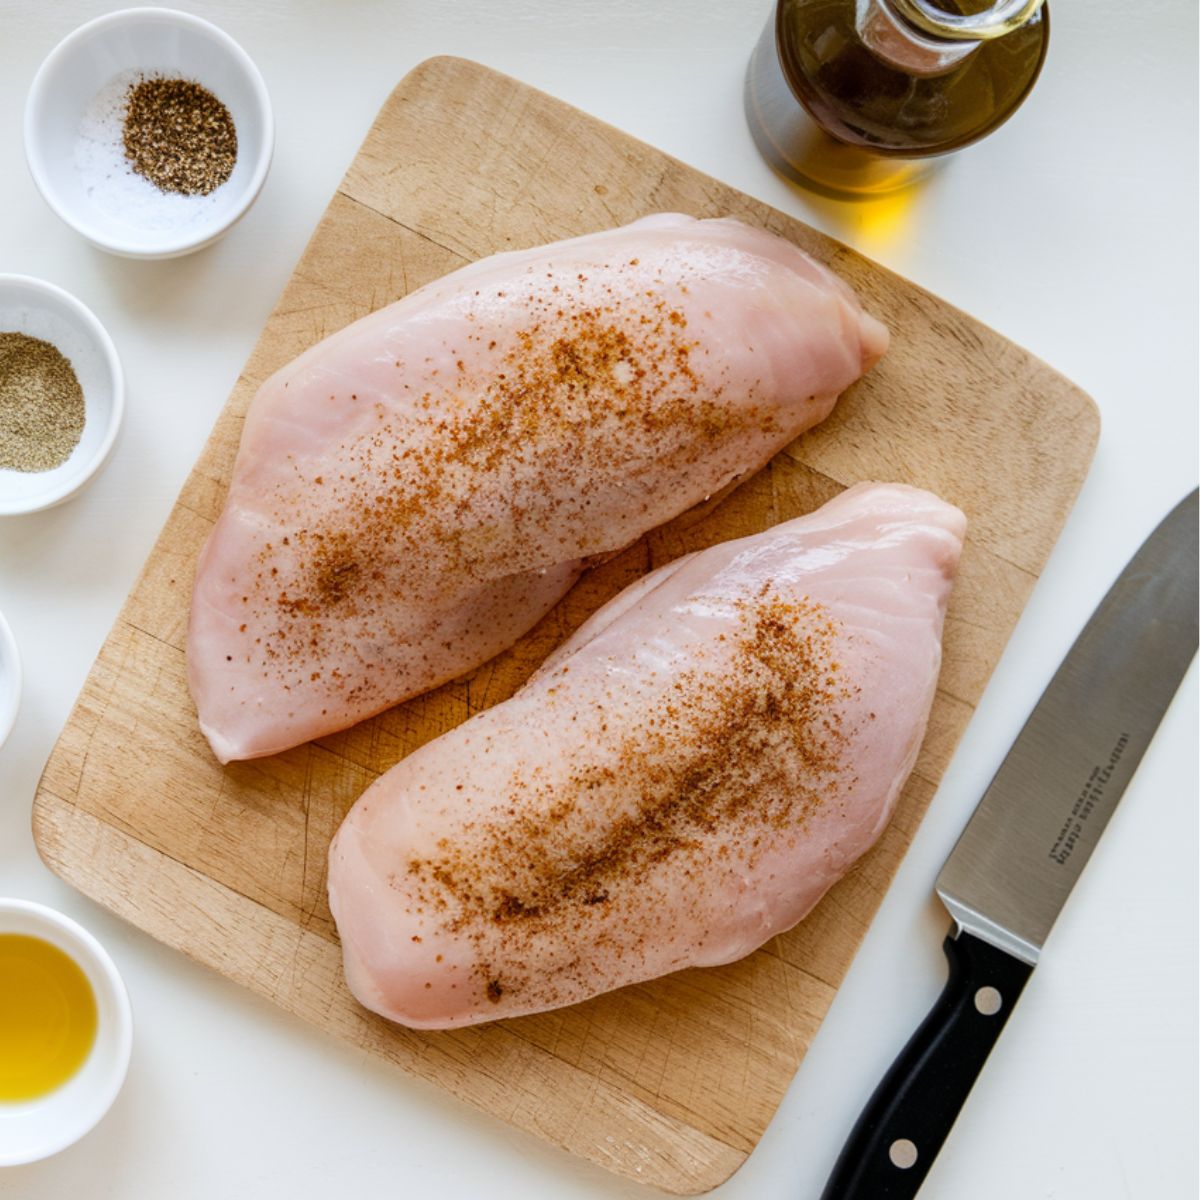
41 405
589 391
179 136
732 763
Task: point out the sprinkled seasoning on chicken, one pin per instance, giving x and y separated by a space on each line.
680 782
418 490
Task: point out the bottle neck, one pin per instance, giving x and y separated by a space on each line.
921 38
1002 17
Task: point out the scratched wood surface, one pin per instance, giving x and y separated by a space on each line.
671 1082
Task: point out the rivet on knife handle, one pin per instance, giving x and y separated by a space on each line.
907 1119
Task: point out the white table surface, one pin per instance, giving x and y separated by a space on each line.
1073 230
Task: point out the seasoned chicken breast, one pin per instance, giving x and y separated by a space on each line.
680 782
418 490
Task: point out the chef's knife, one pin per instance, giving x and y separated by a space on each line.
1024 847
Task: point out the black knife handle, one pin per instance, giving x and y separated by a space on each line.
901 1130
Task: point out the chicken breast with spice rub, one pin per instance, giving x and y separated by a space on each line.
681 781
415 492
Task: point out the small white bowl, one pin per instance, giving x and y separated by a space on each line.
10 680
41 310
149 41
34 1129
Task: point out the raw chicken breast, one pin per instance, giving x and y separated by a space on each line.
680 782
418 490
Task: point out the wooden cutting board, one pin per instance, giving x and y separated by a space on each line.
672 1082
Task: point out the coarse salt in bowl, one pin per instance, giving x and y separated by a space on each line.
74 119
10 680
40 310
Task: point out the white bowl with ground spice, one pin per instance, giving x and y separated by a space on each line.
62 395
149 131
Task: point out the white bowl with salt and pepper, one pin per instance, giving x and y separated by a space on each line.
97 93
54 436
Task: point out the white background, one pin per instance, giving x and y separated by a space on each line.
1072 230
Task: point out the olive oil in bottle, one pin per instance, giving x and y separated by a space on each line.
859 97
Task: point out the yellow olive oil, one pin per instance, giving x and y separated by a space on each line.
47 1017
836 108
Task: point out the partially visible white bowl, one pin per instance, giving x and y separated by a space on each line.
152 41
10 680
35 1129
41 310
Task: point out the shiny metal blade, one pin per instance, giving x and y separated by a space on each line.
1044 811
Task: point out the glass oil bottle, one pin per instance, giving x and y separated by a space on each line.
860 97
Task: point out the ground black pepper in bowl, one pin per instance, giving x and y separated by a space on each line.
41 405
179 136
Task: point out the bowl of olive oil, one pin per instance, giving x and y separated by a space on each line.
65 1032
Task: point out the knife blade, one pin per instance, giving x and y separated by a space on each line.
1024 847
